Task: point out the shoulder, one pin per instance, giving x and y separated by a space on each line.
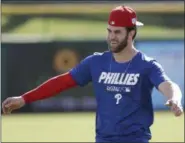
150 62
147 60
101 54
98 55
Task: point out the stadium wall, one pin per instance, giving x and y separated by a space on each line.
26 65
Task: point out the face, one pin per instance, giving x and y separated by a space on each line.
117 38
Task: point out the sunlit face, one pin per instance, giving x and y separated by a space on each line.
117 38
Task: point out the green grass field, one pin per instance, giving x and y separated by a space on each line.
61 28
78 127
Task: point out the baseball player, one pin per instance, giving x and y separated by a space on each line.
123 79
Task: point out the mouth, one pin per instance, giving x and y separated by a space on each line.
113 43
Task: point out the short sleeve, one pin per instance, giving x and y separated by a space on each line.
157 74
82 73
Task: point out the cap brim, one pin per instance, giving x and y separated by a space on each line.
138 23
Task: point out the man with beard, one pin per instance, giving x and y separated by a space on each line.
123 79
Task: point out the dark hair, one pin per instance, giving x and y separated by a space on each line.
130 29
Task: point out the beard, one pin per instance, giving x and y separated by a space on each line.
120 47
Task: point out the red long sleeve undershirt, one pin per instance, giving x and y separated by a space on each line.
50 88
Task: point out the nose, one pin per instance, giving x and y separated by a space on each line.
112 36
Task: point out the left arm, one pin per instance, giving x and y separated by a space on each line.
171 90
168 88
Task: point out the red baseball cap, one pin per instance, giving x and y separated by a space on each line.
123 16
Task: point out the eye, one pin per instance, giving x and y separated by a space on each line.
109 31
117 32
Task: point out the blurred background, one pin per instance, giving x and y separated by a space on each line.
41 39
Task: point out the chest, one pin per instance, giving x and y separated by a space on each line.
119 81
118 87
123 76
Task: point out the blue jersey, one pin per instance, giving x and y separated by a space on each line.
123 94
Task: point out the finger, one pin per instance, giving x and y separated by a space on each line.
8 108
178 111
4 110
174 107
8 105
5 103
9 111
169 103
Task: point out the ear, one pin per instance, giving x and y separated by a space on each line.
132 32
129 35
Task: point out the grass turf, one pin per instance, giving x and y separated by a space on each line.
86 29
78 127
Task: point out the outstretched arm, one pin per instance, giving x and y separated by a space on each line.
79 75
171 90
173 93
50 88
168 88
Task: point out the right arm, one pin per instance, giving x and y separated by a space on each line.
79 75
50 88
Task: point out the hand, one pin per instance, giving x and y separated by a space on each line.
175 106
12 103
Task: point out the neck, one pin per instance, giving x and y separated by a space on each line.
125 55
